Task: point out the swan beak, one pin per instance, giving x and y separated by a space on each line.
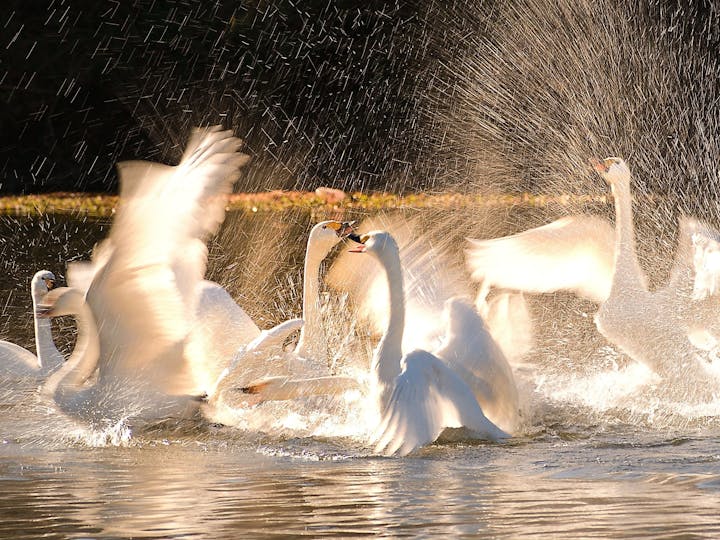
49 283
342 228
598 165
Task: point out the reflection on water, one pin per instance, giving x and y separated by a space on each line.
601 454
539 488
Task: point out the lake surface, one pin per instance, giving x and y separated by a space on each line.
603 452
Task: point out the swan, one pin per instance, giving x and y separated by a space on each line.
139 306
433 288
19 361
251 365
418 395
652 327
598 261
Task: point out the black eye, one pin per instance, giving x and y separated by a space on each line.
324 226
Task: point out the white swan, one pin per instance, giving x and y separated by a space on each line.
432 287
139 306
256 369
418 394
18 361
654 327
588 256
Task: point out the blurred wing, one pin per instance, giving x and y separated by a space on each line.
16 361
430 279
705 258
143 298
428 397
510 323
574 253
471 352
80 274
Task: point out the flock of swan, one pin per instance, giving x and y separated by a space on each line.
155 340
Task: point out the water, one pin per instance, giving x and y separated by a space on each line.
486 96
602 451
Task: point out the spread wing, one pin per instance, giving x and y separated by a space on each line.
705 259
143 296
471 352
80 274
575 253
221 327
17 361
429 397
510 323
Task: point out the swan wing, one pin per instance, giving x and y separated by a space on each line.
575 253
472 353
220 328
429 397
80 274
259 358
510 323
143 297
705 259
17 361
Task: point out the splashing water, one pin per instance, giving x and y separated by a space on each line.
521 94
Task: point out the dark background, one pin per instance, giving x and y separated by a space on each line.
358 95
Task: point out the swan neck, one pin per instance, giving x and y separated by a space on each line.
624 233
386 360
625 252
66 382
47 353
310 342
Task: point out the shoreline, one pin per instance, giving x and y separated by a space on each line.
101 205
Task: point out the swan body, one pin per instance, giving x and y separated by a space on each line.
18 361
588 256
139 306
651 327
418 395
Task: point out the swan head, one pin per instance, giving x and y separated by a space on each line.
61 301
42 282
378 243
612 169
329 233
